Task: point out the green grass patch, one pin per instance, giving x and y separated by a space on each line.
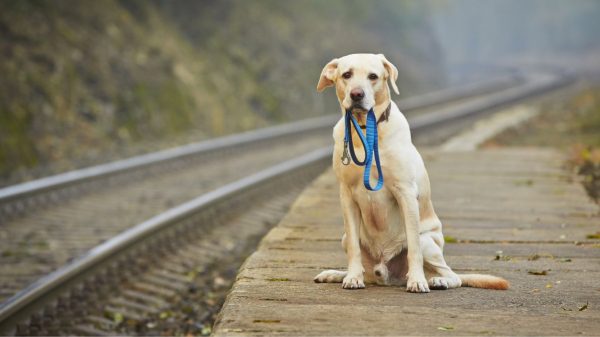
450 239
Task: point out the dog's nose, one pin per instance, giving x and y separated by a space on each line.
357 94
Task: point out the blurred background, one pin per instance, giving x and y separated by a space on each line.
84 82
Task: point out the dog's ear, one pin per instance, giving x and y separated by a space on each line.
392 72
327 75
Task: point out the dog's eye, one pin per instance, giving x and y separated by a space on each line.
347 75
373 77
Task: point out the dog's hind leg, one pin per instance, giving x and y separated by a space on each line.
330 276
442 277
333 276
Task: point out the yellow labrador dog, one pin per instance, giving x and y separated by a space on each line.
392 236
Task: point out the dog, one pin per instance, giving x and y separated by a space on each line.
392 236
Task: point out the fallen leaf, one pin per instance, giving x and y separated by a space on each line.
549 285
446 328
564 259
593 236
566 309
538 272
583 307
536 256
501 257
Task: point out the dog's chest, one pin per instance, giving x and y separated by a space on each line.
375 207
382 227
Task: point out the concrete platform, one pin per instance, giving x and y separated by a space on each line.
510 212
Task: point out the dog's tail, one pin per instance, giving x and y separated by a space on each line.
483 281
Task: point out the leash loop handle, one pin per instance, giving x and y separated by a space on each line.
373 151
370 144
350 121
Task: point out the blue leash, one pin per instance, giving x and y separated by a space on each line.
369 144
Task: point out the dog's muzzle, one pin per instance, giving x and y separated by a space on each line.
358 108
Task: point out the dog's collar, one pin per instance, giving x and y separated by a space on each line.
384 116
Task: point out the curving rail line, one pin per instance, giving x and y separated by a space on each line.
162 250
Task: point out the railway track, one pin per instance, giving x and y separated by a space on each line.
164 275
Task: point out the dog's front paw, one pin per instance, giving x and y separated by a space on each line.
417 284
353 281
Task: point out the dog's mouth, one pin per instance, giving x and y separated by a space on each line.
358 109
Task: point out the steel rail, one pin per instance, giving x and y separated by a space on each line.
20 304
65 180
467 90
533 86
17 198
50 287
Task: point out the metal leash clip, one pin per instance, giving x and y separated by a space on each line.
346 154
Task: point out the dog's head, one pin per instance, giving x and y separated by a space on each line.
360 80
